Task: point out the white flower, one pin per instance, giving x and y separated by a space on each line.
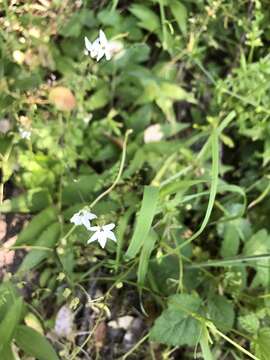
102 233
83 217
153 134
24 134
99 47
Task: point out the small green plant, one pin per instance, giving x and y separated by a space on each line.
143 126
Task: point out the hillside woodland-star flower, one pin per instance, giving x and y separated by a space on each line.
24 134
102 233
83 217
99 47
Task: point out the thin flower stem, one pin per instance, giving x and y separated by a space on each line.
239 347
106 192
1 192
142 340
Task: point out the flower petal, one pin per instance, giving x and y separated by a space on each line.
94 237
102 38
91 216
94 228
108 227
76 219
95 48
86 222
110 235
102 239
88 44
100 53
108 54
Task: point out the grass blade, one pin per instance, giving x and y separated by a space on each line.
213 189
144 221
147 249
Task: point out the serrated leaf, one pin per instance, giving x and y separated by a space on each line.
221 312
144 221
148 18
34 344
250 323
47 239
176 325
39 222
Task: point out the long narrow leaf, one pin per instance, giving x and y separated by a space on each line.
213 189
144 222
9 323
204 342
147 249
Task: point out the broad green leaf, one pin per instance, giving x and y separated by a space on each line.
39 222
109 18
82 190
147 248
34 344
32 201
10 321
47 239
258 244
179 12
231 241
221 312
148 18
261 345
99 99
161 270
144 221
177 325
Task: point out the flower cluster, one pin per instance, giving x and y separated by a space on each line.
99 47
101 233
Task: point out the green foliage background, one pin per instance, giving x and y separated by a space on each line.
191 209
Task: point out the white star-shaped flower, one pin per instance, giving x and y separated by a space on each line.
83 217
102 233
24 134
99 47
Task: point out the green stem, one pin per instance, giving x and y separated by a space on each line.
164 29
106 192
121 168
